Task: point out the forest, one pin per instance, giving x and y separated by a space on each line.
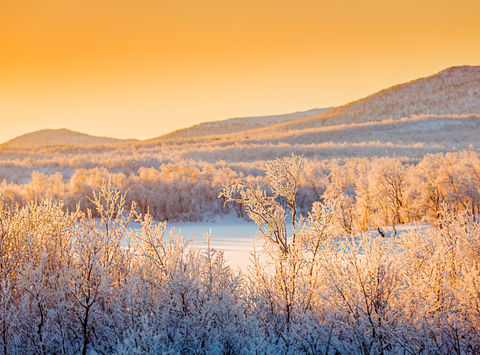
371 191
76 278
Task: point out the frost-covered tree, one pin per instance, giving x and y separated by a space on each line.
283 291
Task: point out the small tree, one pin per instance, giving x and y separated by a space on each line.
268 211
99 271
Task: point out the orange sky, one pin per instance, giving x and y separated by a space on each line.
141 68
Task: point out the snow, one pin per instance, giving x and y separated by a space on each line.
238 238
51 137
239 124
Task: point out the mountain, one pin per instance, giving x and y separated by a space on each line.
435 114
438 113
453 91
239 124
49 137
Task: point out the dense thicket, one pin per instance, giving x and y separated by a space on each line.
71 283
372 191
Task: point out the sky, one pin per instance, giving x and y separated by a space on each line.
142 68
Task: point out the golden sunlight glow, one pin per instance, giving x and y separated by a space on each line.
142 68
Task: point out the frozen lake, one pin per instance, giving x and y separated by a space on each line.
236 238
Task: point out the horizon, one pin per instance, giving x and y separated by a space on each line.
143 69
229 118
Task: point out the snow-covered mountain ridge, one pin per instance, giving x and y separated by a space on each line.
51 137
453 91
240 124
447 95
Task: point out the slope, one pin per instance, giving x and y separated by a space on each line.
238 124
50 137
452 91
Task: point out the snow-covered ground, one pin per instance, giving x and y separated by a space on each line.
239 238
236 238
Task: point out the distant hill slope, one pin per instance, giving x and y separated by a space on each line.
439 113
238 124
454 91
49 137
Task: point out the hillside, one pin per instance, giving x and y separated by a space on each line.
444 117
436 114
452 91
239 124
445 98
51 137
411 137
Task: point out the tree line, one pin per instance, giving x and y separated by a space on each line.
76 281
371 192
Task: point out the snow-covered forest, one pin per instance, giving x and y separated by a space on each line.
77 276
373 191
72 283
424 132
